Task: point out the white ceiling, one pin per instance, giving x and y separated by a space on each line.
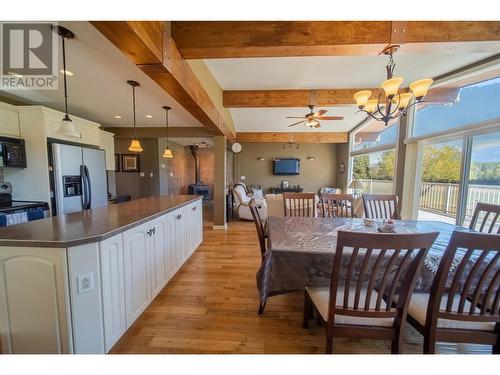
273 119
316 73
98 91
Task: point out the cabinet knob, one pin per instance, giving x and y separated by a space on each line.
194 208
179 217
154 230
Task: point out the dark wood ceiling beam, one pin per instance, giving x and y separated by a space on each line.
322 98
148 44
302 137
159 132
238 39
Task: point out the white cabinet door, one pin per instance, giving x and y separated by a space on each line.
176 240
107 143
194 226
137 271
34 310
9 121
158 251
113 289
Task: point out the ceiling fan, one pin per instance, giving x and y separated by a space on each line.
311 119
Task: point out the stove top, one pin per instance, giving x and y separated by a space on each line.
18 205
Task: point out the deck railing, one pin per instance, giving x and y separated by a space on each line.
441 198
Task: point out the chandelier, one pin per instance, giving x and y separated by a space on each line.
395 104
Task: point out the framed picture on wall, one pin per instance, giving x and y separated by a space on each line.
117 162
130 163
342 167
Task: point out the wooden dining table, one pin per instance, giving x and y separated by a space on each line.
300 251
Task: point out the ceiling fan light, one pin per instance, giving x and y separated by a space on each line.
362 97
420 87
135 146
168 153
402 100
312 123
371 105
391 86
68 129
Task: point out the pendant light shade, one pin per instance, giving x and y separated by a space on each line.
403 100
371 105
67 127
391 86
168 152
420 87
362 97
135 145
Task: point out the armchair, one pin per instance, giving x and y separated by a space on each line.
242 201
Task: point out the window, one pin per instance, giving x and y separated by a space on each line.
374 134
375 170
476 103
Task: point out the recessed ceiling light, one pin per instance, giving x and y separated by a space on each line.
149 116
15 74
68 73
118 116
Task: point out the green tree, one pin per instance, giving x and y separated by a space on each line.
361 167
441 164
385 166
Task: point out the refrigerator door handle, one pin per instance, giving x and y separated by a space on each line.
89 187
84 190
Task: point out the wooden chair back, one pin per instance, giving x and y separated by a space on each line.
337 205
259 226
386 263
299 204
468 272
380 206
486 218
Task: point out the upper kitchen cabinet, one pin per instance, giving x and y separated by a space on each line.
9 121
49 120
107 143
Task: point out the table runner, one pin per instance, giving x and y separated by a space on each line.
301 250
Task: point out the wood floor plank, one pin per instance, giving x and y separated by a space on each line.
210 306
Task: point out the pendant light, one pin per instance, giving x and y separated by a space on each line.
135 145
67 127
168 152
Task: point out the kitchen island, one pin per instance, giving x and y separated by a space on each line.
75 283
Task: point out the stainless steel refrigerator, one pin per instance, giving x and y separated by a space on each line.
79 178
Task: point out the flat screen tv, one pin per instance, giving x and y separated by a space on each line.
286 166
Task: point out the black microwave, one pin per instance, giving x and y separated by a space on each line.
12 153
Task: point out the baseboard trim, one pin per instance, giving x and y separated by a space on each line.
220 227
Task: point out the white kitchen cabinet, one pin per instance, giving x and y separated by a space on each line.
113 289
194 229
88 130
107 143
9 121
34 277
177 239
157 245
137 271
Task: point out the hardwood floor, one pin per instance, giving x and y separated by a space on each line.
210 306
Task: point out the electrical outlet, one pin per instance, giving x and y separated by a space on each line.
243 178
171 174
85 282
151 174
163 166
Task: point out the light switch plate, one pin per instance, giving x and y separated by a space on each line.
163 166
243 178
151 174
85 282
141 174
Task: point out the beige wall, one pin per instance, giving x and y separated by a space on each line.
314 174
343 156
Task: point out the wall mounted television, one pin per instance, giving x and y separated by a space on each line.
286 166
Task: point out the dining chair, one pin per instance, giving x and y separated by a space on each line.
381 206
463 303
337 205
259 226
299 204
481 217
373 277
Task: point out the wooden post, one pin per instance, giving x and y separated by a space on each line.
220 182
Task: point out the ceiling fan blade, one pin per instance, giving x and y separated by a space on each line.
295 117
320 113
331 118
297 123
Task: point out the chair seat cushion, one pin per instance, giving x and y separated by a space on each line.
418 311
321 296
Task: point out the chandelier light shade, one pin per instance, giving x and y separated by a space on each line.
168 152
395 104
419 88
135 145
391 86
67 127
362 97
